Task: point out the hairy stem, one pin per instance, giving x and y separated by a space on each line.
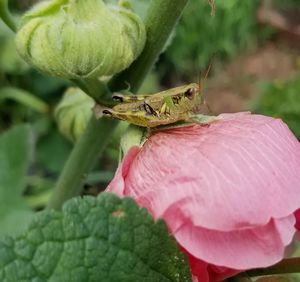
289 265
160 21
6 16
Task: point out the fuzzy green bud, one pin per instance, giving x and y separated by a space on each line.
80 38
73 113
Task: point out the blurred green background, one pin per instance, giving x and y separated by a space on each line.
253 47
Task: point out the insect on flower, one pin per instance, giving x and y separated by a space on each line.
162 108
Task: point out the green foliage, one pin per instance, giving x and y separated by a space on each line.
94 239
281 99
14 161
26 96
200 36
287 4
52 149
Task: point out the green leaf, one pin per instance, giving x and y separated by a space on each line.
14 160
94 239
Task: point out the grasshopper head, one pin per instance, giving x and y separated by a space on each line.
191 97
191 90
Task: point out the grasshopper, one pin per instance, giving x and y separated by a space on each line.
162 108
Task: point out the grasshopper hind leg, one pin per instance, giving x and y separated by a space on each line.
121 98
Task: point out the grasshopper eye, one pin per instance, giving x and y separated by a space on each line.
118 98
148 109
190 93
107 112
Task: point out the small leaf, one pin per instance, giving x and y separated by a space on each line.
14 160
94 239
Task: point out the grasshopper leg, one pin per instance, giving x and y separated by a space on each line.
155 122
128 98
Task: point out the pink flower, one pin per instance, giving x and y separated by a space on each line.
227 191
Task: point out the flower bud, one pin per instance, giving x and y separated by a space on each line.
80 38
73 113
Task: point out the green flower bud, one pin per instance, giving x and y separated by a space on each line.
73 113
80 38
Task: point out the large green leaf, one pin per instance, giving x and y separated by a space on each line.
94 239
14 159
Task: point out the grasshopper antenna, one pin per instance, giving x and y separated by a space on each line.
199 83
207 72
202 84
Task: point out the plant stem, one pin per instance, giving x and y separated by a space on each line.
289 265
97 89
160 21
82 159
6 16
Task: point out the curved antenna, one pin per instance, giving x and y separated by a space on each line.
199 83
202 84
207 72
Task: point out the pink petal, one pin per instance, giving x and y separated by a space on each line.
238 249
252 163
117 185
